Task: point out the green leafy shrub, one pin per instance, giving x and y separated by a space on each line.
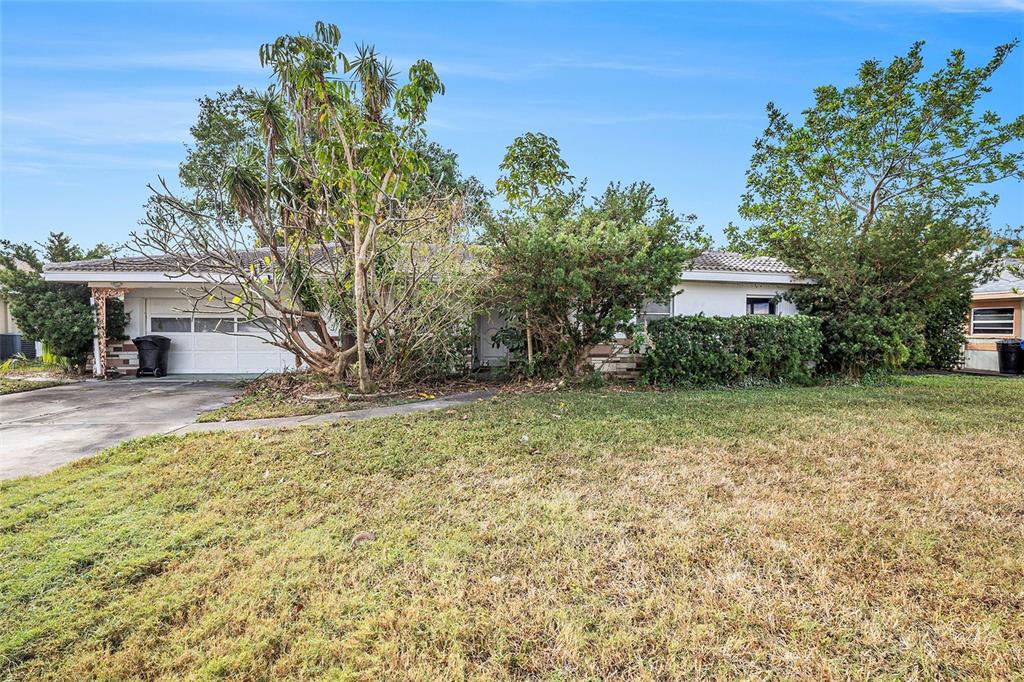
57 314
707 351
571 272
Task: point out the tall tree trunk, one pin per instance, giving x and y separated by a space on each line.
359 291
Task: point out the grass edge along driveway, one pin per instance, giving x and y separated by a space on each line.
845 531
12 386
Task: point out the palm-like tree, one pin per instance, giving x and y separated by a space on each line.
376 80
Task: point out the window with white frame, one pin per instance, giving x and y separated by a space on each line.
761 305
656 311
992 321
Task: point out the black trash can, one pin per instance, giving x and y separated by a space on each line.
1011 356
152 355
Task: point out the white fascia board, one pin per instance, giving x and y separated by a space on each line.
84 277
741 277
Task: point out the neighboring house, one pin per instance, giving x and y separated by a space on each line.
997 309
718 283
7 323
8 326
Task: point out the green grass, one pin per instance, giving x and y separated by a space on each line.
839 532
8 386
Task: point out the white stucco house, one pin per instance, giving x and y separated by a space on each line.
208 341
716 283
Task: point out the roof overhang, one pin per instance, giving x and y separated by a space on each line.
998 295
127 277
727 276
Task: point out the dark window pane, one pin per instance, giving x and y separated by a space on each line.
215 324
656 311
992 321
173 325
760 306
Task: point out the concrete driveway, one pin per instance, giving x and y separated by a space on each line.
42 429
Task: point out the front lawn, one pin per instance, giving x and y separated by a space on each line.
809 533
8 386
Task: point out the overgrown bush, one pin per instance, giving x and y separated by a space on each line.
570 273
878 196
706 351
56 313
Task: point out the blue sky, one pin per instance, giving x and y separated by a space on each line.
98 98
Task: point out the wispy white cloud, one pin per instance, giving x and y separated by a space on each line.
957 6
245 61
551 118
96 118
513 68
37 160
220 60
668 117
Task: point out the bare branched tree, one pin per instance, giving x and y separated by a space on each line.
323 225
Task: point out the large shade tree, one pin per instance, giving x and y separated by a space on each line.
879 196
319 207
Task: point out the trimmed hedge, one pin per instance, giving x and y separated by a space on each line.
705 351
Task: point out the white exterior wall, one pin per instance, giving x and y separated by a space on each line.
708 293
986 360
7 324
725 299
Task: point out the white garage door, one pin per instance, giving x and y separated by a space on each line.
204 343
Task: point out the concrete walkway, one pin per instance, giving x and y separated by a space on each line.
350 415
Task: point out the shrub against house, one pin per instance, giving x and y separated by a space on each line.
709 351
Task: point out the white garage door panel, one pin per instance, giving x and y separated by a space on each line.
179 342
213 341
260 362
216 361
179 363
204 352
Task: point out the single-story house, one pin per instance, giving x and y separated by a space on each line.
716 283
207 340
997 309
